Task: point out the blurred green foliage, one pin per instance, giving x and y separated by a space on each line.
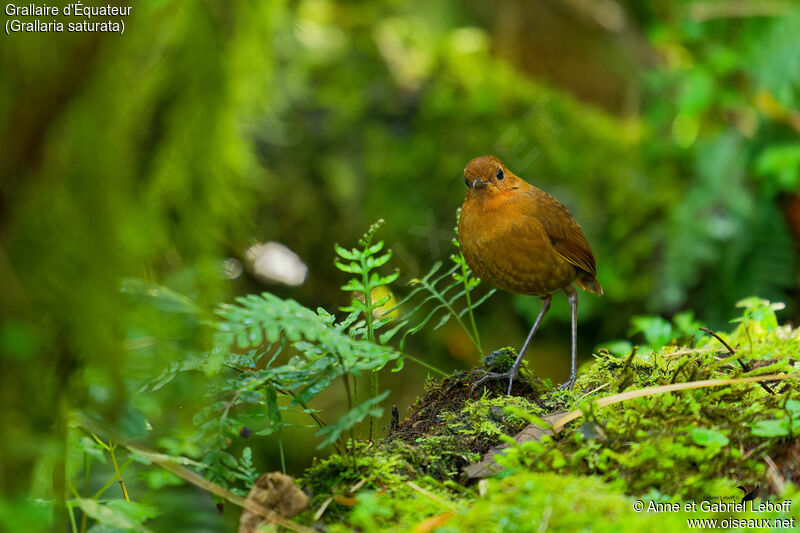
209 126
122 156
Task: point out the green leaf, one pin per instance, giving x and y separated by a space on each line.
352 268
380 303
709 437
375 262
118 513
401 362
387 335
771 428
349 319
132 423
355 305
686 324
793 406
616 347
442 321
157 478
273 412
159 297
384 280
325 316
351 418
93 448
352 255
354 284
783 162
656 330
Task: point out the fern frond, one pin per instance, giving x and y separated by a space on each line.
438 299
435 297
326 352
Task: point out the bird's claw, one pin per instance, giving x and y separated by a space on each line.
567 385
495 375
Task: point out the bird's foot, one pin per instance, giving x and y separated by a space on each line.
511 375
567 385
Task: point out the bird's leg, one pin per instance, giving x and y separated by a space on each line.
572 295
514 369
512 374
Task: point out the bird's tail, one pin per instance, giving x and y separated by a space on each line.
590 283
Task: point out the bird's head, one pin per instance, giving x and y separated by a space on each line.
487 175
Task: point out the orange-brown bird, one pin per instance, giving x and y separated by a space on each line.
522 240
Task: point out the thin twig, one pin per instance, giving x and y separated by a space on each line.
598 389
725 344
639 393
111 480
774 476
428 494
687 352
358 485
745 366
112 451
322 508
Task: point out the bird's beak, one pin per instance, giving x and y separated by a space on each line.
479 183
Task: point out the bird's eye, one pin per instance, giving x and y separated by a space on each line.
500 175
467 182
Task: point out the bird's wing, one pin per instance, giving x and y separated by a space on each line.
565 234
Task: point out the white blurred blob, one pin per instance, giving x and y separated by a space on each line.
232 268
273 261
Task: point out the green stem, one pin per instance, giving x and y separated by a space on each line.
346 378
432 290
370 333
280 448
118 473
320 422
84 516
71 514
426 365
112 480
69 505
60 478
465 273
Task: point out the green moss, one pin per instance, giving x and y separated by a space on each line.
691 444
549 502
696 444
401 509
373 467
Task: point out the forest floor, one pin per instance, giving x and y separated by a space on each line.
644 441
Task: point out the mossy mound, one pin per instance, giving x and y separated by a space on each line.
689 445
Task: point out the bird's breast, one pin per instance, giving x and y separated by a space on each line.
508 248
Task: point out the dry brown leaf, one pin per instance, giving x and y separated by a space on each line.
272 490
488 467
344 500
433 522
